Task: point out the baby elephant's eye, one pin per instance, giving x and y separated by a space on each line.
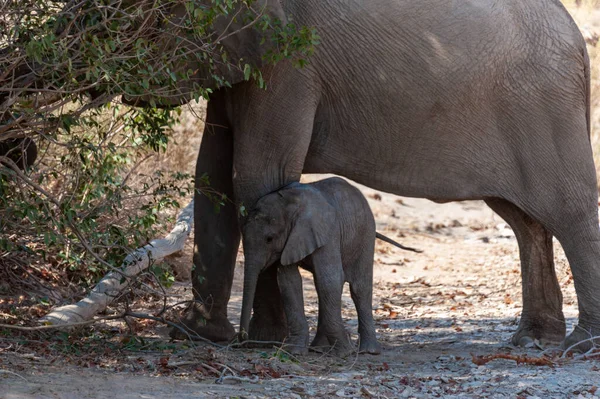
269 238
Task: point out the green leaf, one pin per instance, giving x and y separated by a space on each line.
247 71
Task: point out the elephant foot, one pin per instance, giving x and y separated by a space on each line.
340 347
295 348
196 324
370 346
545 330
343 348
296 344
319 341
262 329
582 339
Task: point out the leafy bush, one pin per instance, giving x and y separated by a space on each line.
63 69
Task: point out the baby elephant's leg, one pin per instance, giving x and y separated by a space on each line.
329 282
362 297
320 341
290 285
361 290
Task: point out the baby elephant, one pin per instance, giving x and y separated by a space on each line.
327 228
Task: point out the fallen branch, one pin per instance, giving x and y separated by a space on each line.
520 359
250 342
115 282
59 326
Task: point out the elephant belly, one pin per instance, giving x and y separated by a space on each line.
426 163
445 115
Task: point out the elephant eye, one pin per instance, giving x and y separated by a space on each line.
269 238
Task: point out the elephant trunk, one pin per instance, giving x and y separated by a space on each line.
251 272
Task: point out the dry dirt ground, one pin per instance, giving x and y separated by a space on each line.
461 296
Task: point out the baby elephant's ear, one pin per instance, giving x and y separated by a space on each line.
312 228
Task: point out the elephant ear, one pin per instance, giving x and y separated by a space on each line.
313 224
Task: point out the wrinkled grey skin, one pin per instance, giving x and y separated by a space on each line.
327 228
446 100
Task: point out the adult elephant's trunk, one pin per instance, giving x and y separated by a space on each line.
251 272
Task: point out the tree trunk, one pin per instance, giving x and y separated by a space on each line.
113 283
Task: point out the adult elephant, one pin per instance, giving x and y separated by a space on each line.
445 100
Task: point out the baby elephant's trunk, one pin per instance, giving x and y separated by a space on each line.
250 281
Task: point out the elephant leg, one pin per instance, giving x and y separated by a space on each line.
576 228
542 318
574 223
329 282
320 341
268 322
290 285
216 234
361 291
558 189
272 133
583 252
362 296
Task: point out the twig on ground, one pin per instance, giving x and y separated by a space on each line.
520 359
192 336
225 368
184 363
592 353
13 373
552 352
281 350
221 380
243 343
222 375
211 368
570 348
355 357
327 352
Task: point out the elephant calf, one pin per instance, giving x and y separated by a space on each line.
328 228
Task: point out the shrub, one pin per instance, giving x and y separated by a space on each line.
63 69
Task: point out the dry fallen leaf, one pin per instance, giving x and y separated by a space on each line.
520 359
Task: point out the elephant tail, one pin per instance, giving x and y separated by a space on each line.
588 90
390 241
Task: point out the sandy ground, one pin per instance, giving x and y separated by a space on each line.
462 296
